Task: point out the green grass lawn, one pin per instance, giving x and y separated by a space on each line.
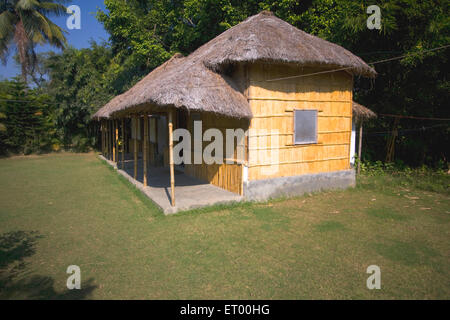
72 209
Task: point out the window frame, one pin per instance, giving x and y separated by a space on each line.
315 141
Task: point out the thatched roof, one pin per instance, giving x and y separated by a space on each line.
264 37
122 99
196 83
183 83
361 113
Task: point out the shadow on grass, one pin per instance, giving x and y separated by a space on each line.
326 226
385 213
408 253
154 209
15 281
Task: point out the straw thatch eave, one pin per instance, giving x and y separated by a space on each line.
182 83
361 113
122 99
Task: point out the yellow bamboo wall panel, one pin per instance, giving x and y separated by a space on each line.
266 108
286 169
339 137
322 87
305 154
334 124
274 91
272 127
225 176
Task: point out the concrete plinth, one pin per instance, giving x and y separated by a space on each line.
190 193
297 185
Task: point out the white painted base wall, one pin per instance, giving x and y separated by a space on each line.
353 145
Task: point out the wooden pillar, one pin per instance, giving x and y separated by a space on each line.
144 150
390 147
113 129
149 145
116 139
103 138
359 147
125 136
111 136
172 173
108 138
111 141
135 150
241 187
123 144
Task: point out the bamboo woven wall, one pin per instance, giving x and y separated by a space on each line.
225 176
272 104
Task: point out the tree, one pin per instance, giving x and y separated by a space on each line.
416 85
80 82
38 74
24 23
27 119
145 33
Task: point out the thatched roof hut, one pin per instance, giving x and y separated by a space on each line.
264 37
197 83
361 113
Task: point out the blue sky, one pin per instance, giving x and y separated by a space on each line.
90 29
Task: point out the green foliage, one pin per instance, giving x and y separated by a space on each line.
387 175
27 119
146 33
81 81
415 85
399 167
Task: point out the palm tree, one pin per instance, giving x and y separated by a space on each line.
24 23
